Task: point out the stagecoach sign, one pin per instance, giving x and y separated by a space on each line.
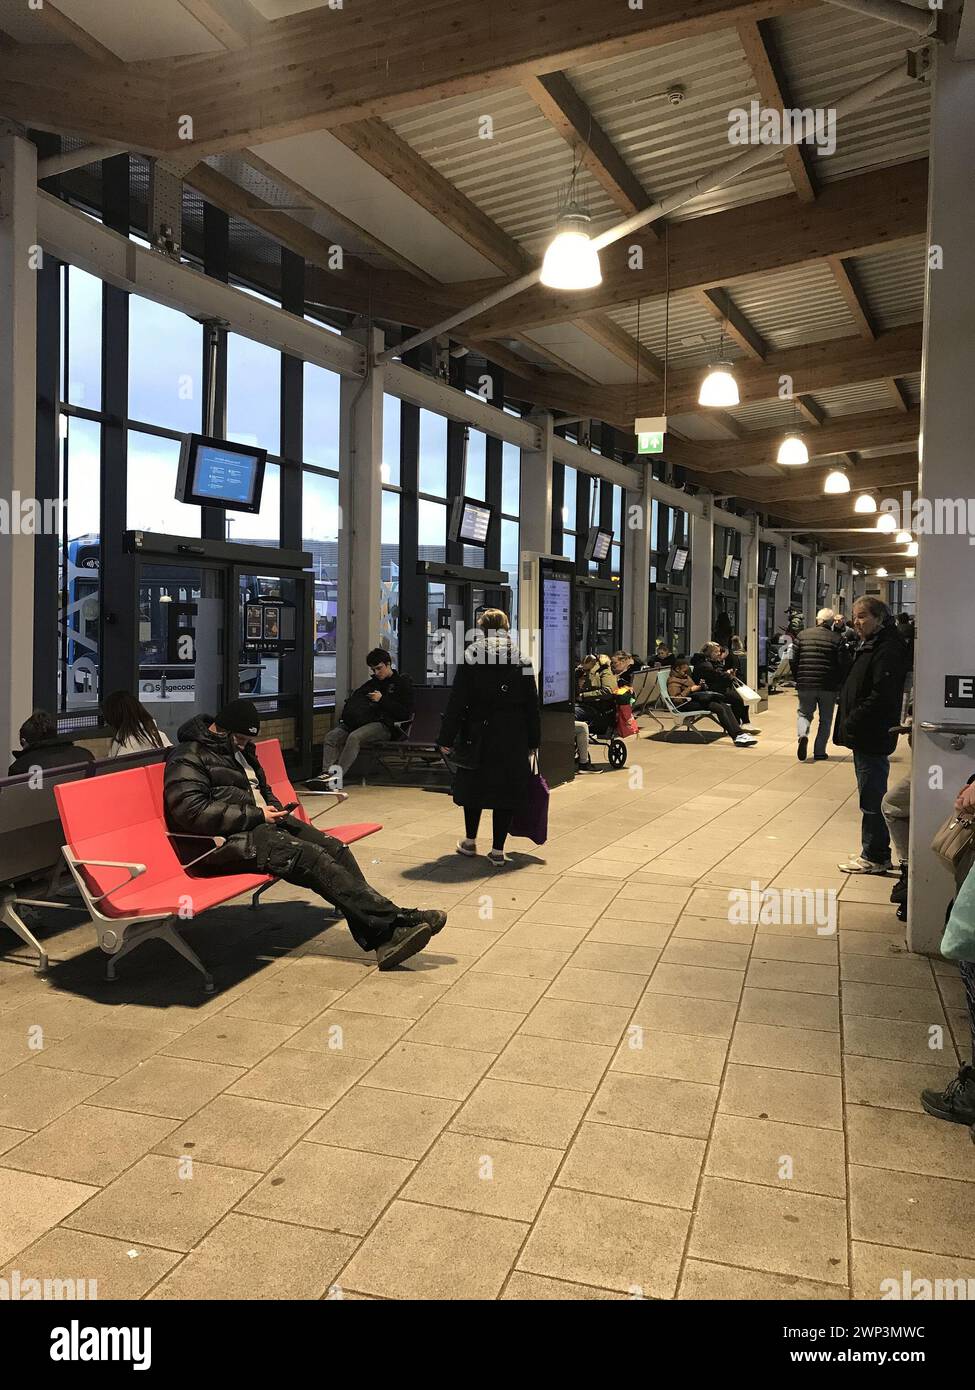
959 692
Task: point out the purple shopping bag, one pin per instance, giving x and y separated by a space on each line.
530 820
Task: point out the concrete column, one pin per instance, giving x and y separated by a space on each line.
946 563
810 594
636 569
360 518
18 337
782 596
749 583
536 488
702 575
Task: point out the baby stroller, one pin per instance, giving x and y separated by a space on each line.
610 721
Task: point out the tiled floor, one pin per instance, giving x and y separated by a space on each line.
605 1081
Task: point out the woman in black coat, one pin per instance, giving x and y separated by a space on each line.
494 705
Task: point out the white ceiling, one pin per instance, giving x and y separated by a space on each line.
331 170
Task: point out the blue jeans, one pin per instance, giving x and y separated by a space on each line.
872 771
809 702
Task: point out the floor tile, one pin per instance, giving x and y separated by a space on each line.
31 1096
791 1096
366 1119
89 1144
169 1086
879 1271
351 1033
731 1283
104 1049
634 1163
596 987
31 1204
786 1008
423 1252
658 1103
892 1085
771 1229
800 1158
576 1022
793 1049
696 982
535 1288
675 1013
543 1115
917 1212
457 1025
490 1176
910 1143
333 1189
238 1132
577 1066
450 1073
314 1079
111 1269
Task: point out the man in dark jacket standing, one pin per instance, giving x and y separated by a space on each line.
369 715
819 670
869 707
215 787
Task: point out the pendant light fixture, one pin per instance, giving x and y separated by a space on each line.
911 549
793 452
837 482
887 523
881 573
571 261
903 538
719 388
866 502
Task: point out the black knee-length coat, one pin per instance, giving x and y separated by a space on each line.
497 696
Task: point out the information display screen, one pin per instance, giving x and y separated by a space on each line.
216 473
556 639
597 546
470 521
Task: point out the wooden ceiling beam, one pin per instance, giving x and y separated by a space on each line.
721 306
853 296
72 33
232 26
566 112
812 413
756 39
835 436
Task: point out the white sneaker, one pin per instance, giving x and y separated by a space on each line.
745 741
497 858
751 729
468 847
856 864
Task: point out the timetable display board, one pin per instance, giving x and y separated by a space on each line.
556 633
218 473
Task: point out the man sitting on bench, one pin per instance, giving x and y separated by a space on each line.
369 716
215 786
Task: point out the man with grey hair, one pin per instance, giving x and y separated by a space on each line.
869 709
818 667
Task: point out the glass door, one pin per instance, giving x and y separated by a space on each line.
182 641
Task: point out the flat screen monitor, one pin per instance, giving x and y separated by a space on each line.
800 583
556 615
771 578
470 521
677 559
732 565
216 473
598 543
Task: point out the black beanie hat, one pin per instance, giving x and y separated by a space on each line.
239 717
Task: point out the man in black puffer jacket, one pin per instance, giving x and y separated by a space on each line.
215 787
869 707
819 664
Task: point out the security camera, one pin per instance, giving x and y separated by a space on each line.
676 95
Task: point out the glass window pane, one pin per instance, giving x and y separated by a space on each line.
389 577
84 339
392 414
151 504
432 530
321 416
79 665
509 562
617 511
165 366
263 527
510 479
433 453
569 500
268 614
253 393
475 483
320 537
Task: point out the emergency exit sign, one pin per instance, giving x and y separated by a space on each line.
959 692
650 431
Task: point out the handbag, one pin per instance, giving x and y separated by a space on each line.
958 942
530 820
466 752
954 839
626 725
749 695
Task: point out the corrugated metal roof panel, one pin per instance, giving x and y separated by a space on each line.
692 337
667 145
856 397
802 305
826 53
517 175
893 282
768 415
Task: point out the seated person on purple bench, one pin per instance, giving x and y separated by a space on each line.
215 786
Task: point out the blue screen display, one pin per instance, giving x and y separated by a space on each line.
223 475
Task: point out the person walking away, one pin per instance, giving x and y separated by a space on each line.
819 672
370 715
216 788
687 693
493 711
869 708
134 729
42 746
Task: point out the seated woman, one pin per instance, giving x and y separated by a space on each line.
133 728
708 668
687 693
597 691
624 665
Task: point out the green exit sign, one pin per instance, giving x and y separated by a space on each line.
652 443
650 431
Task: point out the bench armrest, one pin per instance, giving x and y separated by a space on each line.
134 871
218 843
339 798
